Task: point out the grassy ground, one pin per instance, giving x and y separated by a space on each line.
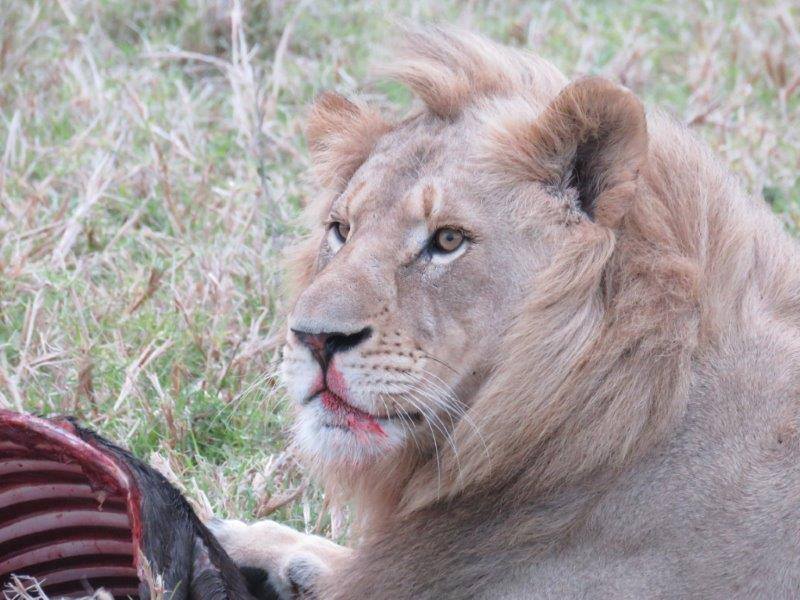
151 164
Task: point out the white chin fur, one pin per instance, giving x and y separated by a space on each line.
323 443
326 444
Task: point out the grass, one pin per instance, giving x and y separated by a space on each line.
152 163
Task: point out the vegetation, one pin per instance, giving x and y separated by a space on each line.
152 163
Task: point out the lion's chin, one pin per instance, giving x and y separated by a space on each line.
331 439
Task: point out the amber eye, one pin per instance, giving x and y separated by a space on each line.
342 230
447 240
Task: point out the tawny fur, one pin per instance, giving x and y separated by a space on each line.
340 135
665 317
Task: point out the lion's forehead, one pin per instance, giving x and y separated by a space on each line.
375 201
420 159
427 200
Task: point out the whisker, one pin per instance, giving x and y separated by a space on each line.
430 356
461 408
403 414
441 426
435 446
258 381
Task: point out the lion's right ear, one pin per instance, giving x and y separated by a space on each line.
341 134
591 138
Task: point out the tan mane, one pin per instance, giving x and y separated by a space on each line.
598 361
448 69
599 357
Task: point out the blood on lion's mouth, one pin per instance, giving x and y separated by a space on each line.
348 416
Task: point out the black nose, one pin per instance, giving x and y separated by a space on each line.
327 343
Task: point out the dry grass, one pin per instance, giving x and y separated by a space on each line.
151 164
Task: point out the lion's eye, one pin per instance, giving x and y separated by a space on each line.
342 230
447 240
338 233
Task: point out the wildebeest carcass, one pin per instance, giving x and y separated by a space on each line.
78 513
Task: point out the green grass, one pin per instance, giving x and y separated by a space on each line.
145 193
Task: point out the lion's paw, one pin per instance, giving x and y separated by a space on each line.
293 561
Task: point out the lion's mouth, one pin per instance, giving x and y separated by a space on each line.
346 416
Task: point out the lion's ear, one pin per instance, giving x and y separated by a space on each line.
341 134
593 138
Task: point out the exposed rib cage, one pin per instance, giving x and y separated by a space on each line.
65 514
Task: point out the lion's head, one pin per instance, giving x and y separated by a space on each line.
441 241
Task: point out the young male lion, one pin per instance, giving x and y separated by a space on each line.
544 342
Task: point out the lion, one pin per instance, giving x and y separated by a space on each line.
545 344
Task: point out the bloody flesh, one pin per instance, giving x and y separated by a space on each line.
77 513
68 513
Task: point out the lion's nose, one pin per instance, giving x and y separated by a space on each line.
325 344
